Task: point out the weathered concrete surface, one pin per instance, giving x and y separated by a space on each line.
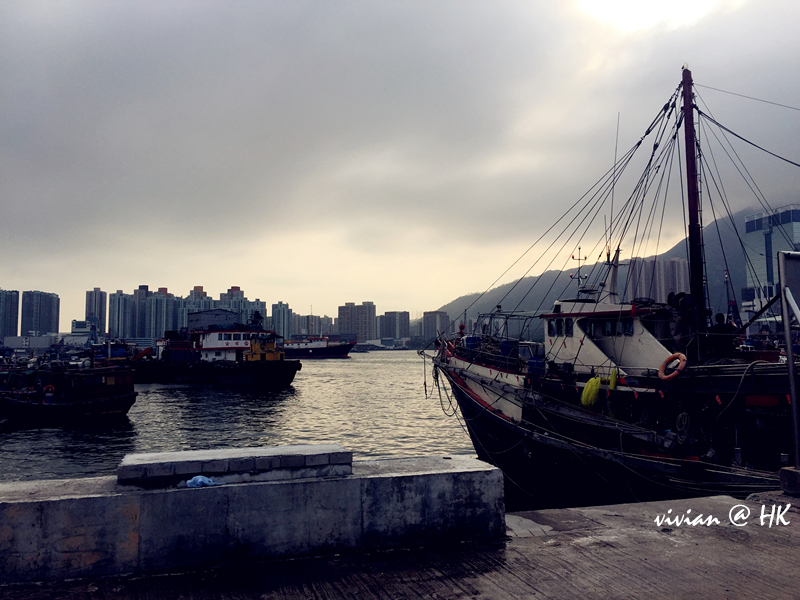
587 553
97 527
237 464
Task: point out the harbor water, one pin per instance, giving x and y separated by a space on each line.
374 404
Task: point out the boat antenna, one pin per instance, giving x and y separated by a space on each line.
696 286
578 275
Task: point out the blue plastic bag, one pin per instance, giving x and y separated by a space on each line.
201 481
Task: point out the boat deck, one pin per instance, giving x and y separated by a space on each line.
600 552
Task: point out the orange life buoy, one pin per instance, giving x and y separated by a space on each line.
663 368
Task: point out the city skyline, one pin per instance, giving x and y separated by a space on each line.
404 153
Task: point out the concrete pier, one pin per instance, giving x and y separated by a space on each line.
589 553
272 502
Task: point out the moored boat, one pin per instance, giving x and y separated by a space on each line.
317 347
619 399
249 358
56 394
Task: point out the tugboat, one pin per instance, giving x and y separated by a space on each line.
240 357
621 400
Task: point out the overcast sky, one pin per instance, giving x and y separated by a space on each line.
324 152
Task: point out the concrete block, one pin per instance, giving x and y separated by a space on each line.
340 458
267 463
289 461
130 472
73 537
181 528
192 467
242 465
160 469
215 466
313 460
295 517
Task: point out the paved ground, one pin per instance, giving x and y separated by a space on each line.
602 552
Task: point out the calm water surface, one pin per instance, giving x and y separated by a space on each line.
373 404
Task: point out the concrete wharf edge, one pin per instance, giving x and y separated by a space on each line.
97 527
588 553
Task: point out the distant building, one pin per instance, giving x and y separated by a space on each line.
121 316
216 317
140 297
40 313
359 320
366 322
9 314
346 321
434 322
282 320
96 301
765 235
395 325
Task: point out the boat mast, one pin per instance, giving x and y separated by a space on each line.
696 287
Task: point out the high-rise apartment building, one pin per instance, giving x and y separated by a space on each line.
40 313
346 321
140 296
121 315
96 301
358 320
434 322
395 324
366 322
282 320
9 313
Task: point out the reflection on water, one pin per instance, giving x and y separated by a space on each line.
373 404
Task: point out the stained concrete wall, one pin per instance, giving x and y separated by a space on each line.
98 527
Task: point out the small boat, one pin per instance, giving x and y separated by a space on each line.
604 399
54 393
317 347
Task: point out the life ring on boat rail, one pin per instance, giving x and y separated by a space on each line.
662 370
49 389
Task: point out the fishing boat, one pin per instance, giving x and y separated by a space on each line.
56 393
602 398
317 347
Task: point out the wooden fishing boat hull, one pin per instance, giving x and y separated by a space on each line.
50 397
15 407
555 453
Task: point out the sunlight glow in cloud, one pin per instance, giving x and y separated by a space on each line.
633 15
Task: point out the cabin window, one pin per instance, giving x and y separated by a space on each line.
551 328
524 352
237 336
227 336
559 327
217 353
608 328
219 336
568 327
628 326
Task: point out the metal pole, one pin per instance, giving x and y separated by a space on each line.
786 301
